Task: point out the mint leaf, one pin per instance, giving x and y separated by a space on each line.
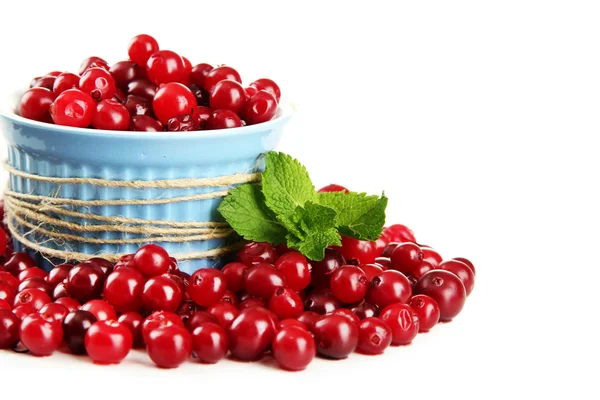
359 216
245 210
285 184
314 230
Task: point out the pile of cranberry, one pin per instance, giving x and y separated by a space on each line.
363 296
155 90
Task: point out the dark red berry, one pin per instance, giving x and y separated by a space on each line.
171 100
35 104
85 282
387 288
164 67
92 62
124 72
169 346
224 313
251 333
261 107
256 253
143 88
336 336
294 348
144 123
406 257
291 322
151 260
469 263
286 303
123 289
198 318
364 310
133 321
9 329
161 293
100 309
207 286
269 86
219 74
349 284
17 263
295 270
98 83
344 312
262 280
371 270
209 343
252 302
9 279
446 289
309 318
223 119
138 105
40 336
431 256
36 283
75 325
73 108
227 95
462 270
403 322
427 310
321 301
58 274
159 319
53 312
374 336
199 73
7 293
33 297
108 342
321 270
357 251
45 82
33 272
234 274
111 115
141 47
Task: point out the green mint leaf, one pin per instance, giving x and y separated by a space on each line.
285 184
359 216
245 210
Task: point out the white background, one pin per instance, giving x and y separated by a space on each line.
479 119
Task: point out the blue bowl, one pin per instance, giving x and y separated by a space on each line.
58 151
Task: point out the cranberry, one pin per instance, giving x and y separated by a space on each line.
374 336
36 283
294 348
100 309
202 96
229 297
35 104
124 72
286 303
219 74
165 66
321 270
169 346
349 284
108 342
251 333
403 322
24 310
7 293
336 336
75 325
186 309
58 274
254 253
387 288
262 280
9 279
33 297
60 291
111 115
187 67
364 310
427 310
65 81
406 257
431 256
182 123
199 73
182 284
446 289
371 270
85 282
159 319
123 289
171 100
209 343
70 303
17 263
269 86
161 293
467 262
92 62
9 329
73 108
201 115
198 318
227 95
389 249
291 322
357 251
207 286
321 301
5 305
400 233
141 47
261 107
53 312
138 105
40 336
151 260
46 82
224 313
295 270
252 302
98 83
133 321
223 119
234 273
309 318
332 188
344 312
420 270
144 123
250 91
143 88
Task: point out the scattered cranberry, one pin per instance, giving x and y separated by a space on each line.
269 86
202 98
357 251
144 123
100 309
33 297
262 280
446 289
58 274
251 333
35 283
321 301
53 312
223 119
65 81
229 297
123 289
336 336
165 66
228 95
427 310
9 329
400 233
209 343
261 107
60 291
250 91
431 256
141 47
364 310
17 263
234 273
254 253
374 336
133 321
371 270
75 325
469 263
219 74
169 346
420 270
143 88
207 286
332 188
403 322
462 270
161 293
309 318
73 108
294 348
387 288
182 123
92 62
322 270
111 115
295 270
85 282
160 319
199 73
108 342
5 305
406 257
286 303
35 104
151 260
70 303
224 313
349 284
40 336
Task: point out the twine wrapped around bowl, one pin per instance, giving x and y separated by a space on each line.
75 193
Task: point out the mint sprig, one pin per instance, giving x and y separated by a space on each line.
286 209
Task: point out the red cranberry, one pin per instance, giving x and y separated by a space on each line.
446 289
100 309
223 119
73 108
169 346
269 86
70 303
357 251
336 336
9 329
111 115
186 309
262 280
251 333
164 67
151 260
92 62
294 348
124 72
33 297
321 270
9 279
24 310
60 291
309 318
251 302
182 123
403 322
224 313
171 100
227 95
198 318
344 312
187 67
371 270
389 249
387 288
261 107
202 98
143 88
431 256
123 289
332 188
35 104
159 319
462 270
141 47
321 301
144 123
400 233
469 263
58 274
6 292
108 342
406 257
45 82
35 283
234 273
349 284
85 282
219 74
75 325
18 262
250 91
207 286
291 322
286 303
40 336
137 105
254 253
199 73
53 312
420 270
374 336
229 298
5 305
98 83
427 310
295 270
161 293
209 343
364 310
133 321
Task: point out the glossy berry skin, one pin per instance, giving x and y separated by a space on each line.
171 100
133 321
286 303
219 74
35 104
123 289
227 95
223 119
364 310
17 263
403 322
9 329
344 312
108 342
209 343
399 233
144 123
33 297
10 280
161 293
462 270
322 301
85 282
357 251
45 82
199 73
198 318
374 336
371 270
309 319
291 322
254 253
431 256
427 310
92 62
138 105
100 309
124 72
158 320
223 313
141 47
98 83
207 286
261 107
53 312
295 270
60 291
151 260
65 81
111 115
252 302
183 123
333 188
75 325
250 91
143 88
293 348
234 273
202 97
467 262
24 310
70 303
349 284
230 298
33 272
73 108
336 336
165 66
7 293
35 283
269 86
387 288
4 305
321 270
262 280
169 346
446 289
40 336
251 333
58 274
406 257
420 270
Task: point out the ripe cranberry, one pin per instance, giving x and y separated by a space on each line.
161 293
133 321
123 289
344 312
294 268
371 270
374 336
40 336
53 312
400 233
357 251
35 283
321 301
35 104
406 257
108 342
224 313
199 73
70 303
165 66
262 280
321 270
151 260
92 62
98 83
332 188
143 88
250 91
9 329
254 253
336 336
7 293
427 310
209 343
159 319
45 82
182 123
73 108
111 115
17 263
469 263
261 107
294 348
420 270
24 310
431 256
229 298
387 288
389 249
403 322
124 72
291 322
6 277
187 67
234 273
33 297
446 289
60 291
198 318
5 305
349 284
223 119
171 100
169 346
269 86
65 81
252 302
85 282
202 97
58 274
138 105
103 264
75 325
207 286
100 309
141 47
144 123
186 309
364 310
309 318
219 74
227 95
286 303
251 333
